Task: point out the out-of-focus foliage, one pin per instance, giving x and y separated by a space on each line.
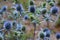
58 23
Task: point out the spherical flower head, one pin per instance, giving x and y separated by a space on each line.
32 9
7 25
54 10
26 17
19 7
47 34
58 35
46 29
44 10
4 8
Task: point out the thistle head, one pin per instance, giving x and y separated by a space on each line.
7 25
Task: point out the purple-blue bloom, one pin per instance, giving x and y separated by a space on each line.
54 10
32 9
46 29
4 8
7 25
19 7
58 35
26 17
47 32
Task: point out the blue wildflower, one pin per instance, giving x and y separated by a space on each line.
58 35
19 8
7 25
47 34
32 9
46 29
26 17
54 10
4 8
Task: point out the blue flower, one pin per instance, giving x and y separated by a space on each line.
46 29
54 10
58 35
7 25
32 9
19 7
26 17
47 34
4 8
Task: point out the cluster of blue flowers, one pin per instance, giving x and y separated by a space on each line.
19 11
46 34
